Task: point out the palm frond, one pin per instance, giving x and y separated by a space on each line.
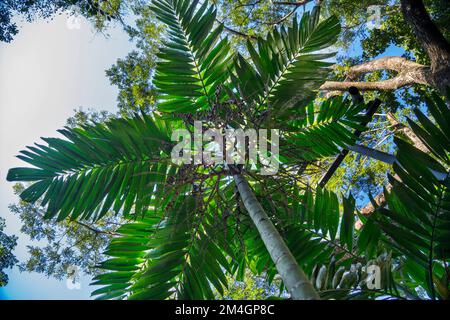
165 256
320 131
311 224
118 165
416 222
287 68
193 59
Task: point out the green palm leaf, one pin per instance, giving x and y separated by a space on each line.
169 255
309 223
416 223
318 131
118 165
286 68
193 60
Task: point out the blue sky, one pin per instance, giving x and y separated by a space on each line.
49 69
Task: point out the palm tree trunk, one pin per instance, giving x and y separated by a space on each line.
293 276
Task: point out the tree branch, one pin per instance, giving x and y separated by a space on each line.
284 18
431 39
96 231
287 3
408 73
238 33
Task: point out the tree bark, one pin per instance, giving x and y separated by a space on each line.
400 127
293 276
431 39
408 73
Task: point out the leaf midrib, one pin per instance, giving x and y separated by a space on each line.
192 55
296 55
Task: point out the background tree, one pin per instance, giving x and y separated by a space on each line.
66 244
251 288
98 11
7 258
132 74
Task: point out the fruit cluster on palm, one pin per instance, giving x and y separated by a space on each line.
192 225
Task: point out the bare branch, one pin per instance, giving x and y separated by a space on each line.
238 33
408 73
284 18
95 230
287 3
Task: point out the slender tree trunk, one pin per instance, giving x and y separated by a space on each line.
293 276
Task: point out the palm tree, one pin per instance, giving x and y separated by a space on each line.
187 225
116 166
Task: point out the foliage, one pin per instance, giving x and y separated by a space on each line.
76 180
97 10
192 64
415 224
320 131
90 116
132 74
393 32
180 258
128 163
7 258
67 243
287 60
250 288
187 233
60 245
256 18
